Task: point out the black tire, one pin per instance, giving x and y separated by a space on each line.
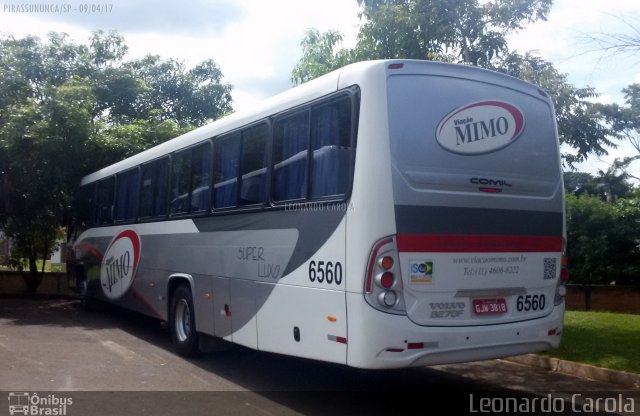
88 303
182 322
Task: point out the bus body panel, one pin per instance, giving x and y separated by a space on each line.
304 322
221 315
379 340
439 215
480 231
233 275
203 304
371 212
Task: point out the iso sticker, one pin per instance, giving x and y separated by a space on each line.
421 271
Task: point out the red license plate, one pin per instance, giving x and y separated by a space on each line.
489 306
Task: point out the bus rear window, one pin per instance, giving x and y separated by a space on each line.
312 152
331 138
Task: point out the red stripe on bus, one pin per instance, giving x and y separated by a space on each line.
477 243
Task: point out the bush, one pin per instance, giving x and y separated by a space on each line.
603 240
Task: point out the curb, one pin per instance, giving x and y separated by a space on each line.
587 371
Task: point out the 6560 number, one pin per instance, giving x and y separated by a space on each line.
325 271
530 303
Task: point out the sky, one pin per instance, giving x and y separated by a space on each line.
256 42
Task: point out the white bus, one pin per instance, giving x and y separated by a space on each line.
388 214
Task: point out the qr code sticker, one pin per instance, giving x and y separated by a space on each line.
550 268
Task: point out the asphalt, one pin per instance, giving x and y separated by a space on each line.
572 368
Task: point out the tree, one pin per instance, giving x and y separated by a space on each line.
463 31
472 31
609 185
616 43
602 244
579 183
612 182
625 120
581 123
320 55
67 108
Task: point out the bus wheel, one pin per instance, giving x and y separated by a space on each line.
182 322
88 303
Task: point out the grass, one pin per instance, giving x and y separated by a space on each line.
48 267
610 340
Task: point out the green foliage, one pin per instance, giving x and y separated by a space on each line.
581 124
319 55
603 240
625 120
67 109
609 185
471 32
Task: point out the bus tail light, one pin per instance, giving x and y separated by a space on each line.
561 288
387 280
383 284
564 272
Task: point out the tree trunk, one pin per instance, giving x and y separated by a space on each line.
33 277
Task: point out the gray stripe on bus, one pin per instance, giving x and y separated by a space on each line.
314 228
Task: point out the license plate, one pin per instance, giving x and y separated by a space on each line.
489 306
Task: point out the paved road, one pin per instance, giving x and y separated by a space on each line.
120 363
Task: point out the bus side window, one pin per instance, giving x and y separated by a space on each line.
180 182
290 151
253 185
226 158
153 191
200 178
105 200
331 141
146 190
84 205
127 196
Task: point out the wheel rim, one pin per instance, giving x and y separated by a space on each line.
183 320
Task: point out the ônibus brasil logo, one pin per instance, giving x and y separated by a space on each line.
481 127
119 264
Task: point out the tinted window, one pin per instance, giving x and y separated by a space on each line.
84 204
201 178
153 191
226 158
127 196
290 153
104 202
254 165
331 146
180 182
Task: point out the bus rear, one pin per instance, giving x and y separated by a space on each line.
474 267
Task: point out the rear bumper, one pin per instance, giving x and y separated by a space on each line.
378 340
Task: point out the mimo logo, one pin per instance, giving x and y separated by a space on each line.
480 127
119 264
